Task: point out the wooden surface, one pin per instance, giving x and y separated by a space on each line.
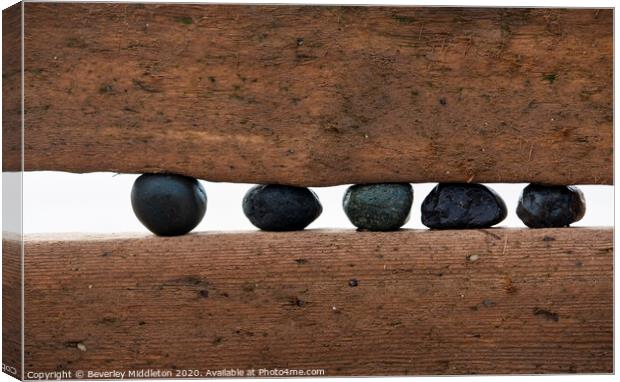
11 306
426 302
11 88
320 95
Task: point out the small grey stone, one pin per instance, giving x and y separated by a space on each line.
275 207
550 206
462 205
378 207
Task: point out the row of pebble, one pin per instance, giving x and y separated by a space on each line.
170 205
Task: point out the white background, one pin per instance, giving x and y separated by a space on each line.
57 202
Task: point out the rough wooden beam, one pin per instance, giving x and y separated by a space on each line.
321 95
426 302
12 340
12 88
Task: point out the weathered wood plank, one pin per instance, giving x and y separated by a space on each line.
426 302
12 88
11 306
321 95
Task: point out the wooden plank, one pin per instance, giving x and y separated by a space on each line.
321 95
12 88
426 302
11 306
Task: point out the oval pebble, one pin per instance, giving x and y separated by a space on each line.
462 205
550 206
281 208
168 204
378 207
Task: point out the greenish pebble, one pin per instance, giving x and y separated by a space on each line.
378 207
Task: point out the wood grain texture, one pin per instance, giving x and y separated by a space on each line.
426 302
319 96
12 88
12 345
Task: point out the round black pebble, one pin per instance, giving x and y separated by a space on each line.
167 204
462 205
281 208
550 206
378 207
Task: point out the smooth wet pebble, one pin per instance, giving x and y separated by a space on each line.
378 207
281 208
168 204
550 206
462 205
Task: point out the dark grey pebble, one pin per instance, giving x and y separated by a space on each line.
462 205
378 207
281 208
167 204
550 206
